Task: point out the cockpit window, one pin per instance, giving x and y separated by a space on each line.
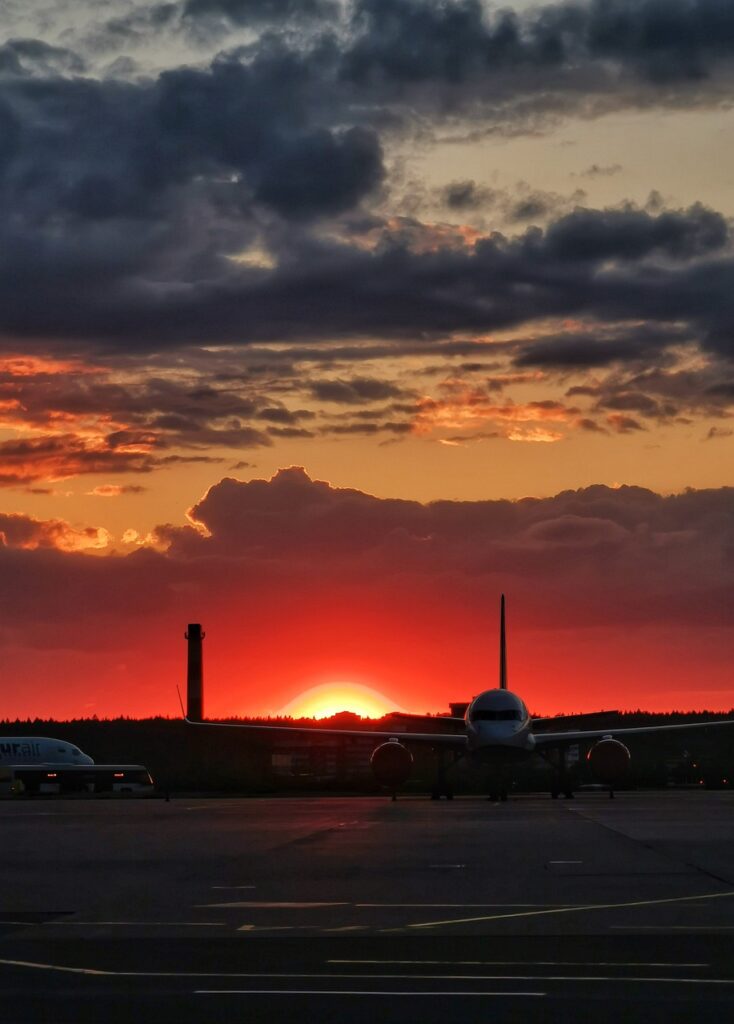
505 715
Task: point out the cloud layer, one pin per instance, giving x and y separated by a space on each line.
295 578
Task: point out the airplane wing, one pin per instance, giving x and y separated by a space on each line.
435 739
585 716
408 716
547 739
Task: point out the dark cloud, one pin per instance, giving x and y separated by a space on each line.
321 173
467 195
596 235
35 57
409 41
663 392
587 349
253 12
354 391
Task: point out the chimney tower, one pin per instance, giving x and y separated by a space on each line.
195 673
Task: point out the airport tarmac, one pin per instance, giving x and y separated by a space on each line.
342 908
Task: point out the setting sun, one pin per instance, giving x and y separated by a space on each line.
331 698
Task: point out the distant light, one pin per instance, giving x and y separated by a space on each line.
119 775
51 775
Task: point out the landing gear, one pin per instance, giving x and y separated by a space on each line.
441 788
562 783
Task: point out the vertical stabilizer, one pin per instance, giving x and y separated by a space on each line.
195 673
503 646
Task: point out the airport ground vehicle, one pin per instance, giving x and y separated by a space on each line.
31 779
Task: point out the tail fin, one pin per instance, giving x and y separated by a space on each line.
503 646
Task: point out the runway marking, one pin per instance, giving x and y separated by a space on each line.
447 865
144 924
250 905
435 906
98 972
348 992
517 963
573 909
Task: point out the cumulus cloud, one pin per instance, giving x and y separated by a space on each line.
646 557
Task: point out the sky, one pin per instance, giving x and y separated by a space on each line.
324 322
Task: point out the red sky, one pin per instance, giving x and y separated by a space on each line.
616 598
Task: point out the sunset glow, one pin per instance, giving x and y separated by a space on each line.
331 698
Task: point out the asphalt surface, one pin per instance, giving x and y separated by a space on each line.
346 908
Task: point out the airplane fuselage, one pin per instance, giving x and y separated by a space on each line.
39 750
498 728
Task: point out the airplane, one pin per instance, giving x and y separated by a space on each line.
43 751
497 732
32 764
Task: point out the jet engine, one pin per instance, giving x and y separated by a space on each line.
392 763
609 760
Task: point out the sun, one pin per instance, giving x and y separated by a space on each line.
331 698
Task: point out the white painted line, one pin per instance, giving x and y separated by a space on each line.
141 924
434 906
256 904
517 963
348 992
565 862
573 909
365 977
447 865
